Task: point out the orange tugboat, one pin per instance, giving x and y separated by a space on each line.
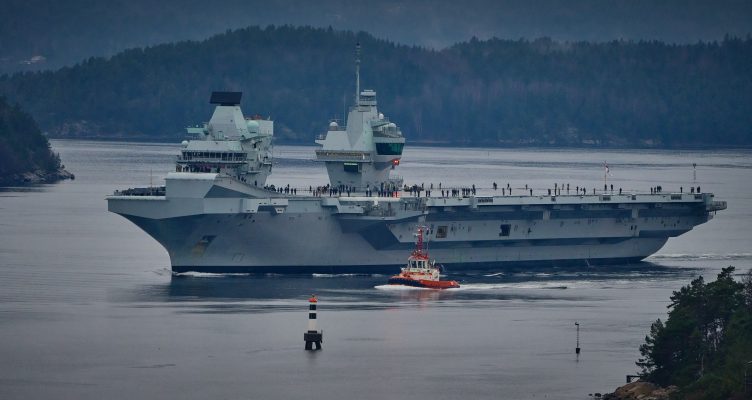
421 271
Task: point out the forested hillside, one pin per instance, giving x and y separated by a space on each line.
25 154
49 34
705 345
495 92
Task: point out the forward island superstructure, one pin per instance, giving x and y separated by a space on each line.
362 154
215 213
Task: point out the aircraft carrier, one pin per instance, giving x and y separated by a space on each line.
216 213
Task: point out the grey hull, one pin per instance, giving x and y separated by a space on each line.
307 244
220 225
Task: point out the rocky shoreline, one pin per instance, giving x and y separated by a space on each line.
36 177
639 390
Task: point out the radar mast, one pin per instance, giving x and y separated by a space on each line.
357 73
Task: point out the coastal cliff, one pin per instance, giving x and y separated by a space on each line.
25 154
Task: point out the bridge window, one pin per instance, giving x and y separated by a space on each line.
389 149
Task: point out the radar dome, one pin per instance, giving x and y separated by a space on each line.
253 126
184 143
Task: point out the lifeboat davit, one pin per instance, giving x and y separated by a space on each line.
420 270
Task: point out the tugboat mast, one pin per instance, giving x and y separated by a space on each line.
419 244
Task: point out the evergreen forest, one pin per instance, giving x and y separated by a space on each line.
479 92
23 148
705 345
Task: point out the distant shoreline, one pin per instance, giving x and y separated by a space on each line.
36 177
496 146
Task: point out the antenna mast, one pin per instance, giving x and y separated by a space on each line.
419 245
357 73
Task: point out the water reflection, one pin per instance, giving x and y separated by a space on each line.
39 188
265 293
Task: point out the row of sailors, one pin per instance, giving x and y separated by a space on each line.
341 190
421 191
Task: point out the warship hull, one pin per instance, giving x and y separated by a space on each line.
209 223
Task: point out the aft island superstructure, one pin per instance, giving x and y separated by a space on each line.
215 213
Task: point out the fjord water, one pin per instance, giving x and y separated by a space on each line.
90 309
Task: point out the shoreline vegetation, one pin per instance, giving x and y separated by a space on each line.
25 154
495 92
703 351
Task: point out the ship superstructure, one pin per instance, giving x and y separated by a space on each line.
214 213
229 144
361 155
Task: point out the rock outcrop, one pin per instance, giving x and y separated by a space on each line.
44 177
640 390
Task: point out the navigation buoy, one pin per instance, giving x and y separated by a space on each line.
312 336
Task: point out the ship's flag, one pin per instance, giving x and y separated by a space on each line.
605 165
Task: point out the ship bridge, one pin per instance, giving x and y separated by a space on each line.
362 155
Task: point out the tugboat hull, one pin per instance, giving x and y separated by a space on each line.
422 283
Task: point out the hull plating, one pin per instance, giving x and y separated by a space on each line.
316 243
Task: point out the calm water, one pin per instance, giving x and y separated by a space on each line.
89 308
